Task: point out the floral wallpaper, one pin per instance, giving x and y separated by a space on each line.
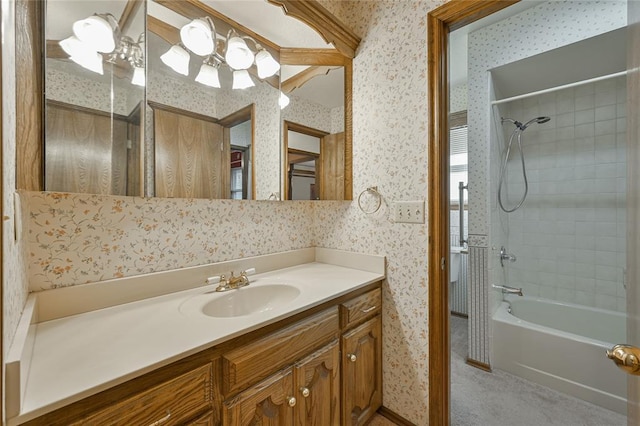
82 238
390 151
68 82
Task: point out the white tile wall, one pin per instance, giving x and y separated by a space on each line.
569 236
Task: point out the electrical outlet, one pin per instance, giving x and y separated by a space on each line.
408 211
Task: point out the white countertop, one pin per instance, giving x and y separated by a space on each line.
79 355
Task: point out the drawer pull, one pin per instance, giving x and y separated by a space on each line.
162 420
291 401
351 357
305 392
366 311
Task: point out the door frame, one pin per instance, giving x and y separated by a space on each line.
441 21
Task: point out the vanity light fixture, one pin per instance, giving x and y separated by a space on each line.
242 79
283 101
200 38
177 58
99 34
208 74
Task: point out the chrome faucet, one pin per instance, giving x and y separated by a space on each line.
506 256
233 283
508 290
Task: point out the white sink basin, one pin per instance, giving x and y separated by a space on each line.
250 300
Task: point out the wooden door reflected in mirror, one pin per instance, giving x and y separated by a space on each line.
315 163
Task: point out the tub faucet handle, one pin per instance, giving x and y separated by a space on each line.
506 256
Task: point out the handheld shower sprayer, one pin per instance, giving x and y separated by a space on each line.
520 128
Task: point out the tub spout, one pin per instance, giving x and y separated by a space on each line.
508 290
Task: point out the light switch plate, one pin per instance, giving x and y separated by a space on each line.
408 211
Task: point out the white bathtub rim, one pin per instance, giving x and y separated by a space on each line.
502 315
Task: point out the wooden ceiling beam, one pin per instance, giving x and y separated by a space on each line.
304 56
303 77
128 13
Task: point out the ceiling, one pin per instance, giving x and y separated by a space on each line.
567 64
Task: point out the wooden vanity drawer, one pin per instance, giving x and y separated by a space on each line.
360 308
169 403
257 360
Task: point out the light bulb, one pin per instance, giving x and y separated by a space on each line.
283 101
197 37
267 66
208 76
95 31
177 59
89 60
138 76
242 79
238 56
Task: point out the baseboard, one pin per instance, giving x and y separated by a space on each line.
480 365
396 418
458 314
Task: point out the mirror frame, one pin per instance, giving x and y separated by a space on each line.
30 76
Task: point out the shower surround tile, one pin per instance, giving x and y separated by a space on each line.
536 30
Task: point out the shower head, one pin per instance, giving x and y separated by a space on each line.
524 126
538 120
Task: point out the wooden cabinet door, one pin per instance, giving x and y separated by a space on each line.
269 403
204 420
362 372
317 388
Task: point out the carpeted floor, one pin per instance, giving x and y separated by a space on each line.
499 398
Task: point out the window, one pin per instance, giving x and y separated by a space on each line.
458 162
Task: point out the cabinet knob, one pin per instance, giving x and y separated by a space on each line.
305 392
351 357
291 401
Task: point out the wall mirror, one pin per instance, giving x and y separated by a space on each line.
93 98
118 120
314 132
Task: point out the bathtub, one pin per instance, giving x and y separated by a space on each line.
561 346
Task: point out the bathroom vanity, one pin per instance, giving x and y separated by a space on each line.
302 347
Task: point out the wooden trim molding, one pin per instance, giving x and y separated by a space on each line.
440 22
394 417
186 113
478 364
29 89
165 31
78 108
239 116
320 19
303 56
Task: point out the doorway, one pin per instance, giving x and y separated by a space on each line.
442 21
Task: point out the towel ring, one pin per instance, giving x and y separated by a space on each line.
373 190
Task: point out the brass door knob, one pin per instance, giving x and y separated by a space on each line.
305 392
291 401
626 357
351 357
